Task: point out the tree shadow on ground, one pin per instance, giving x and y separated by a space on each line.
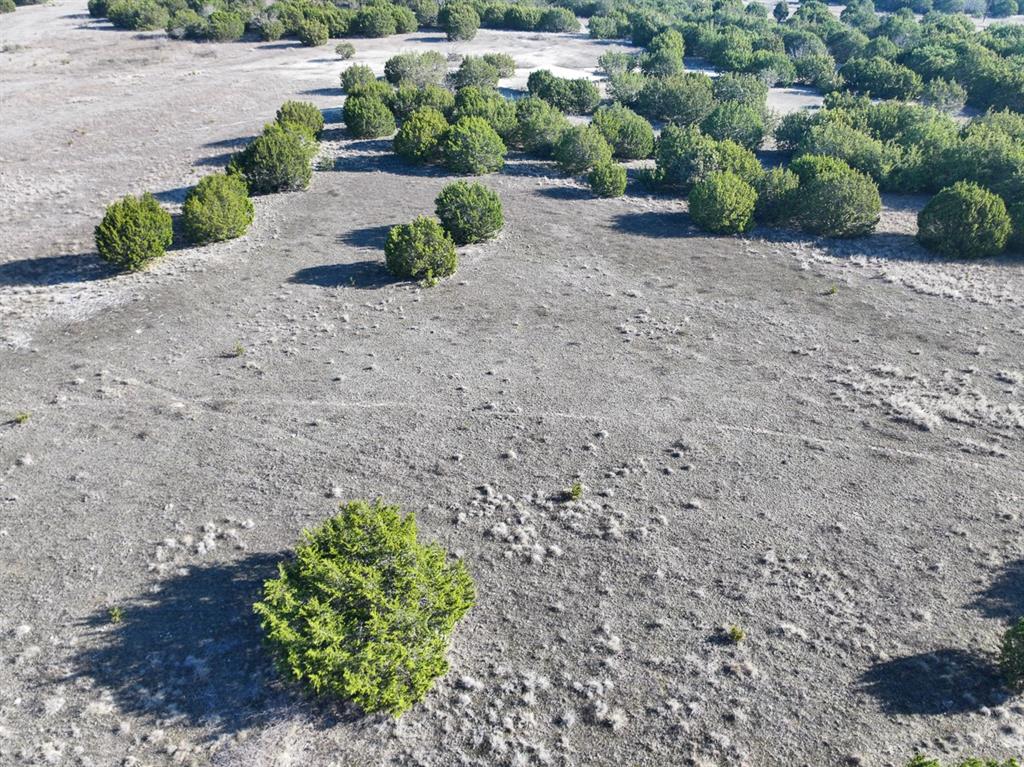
364 275
55 270
236 143
333 116
566 193
1004 598
376 156
192 650
323 92
947 681
520 167
658 224
215 160
176 195
368 237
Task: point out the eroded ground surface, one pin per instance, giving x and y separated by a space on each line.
822 443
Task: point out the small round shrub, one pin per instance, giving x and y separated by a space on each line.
356 74
631 136
8 6
97 8
475 72
469 212
607 179
419 138
365 611
377 89
368 117
142 15
460 21
835 200
581 148
523 18
269 29
217 208
1016 211
278 160
1011 656
558 20
225 26
375 21
539 126
776 197
964 221
472 147
683 99
505 64
345 51
420 250
683 156
302 113
419 69
426 11
723 203
133 232
313 33
186 24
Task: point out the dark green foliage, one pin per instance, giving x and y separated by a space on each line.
407 99
8 6
406 21
835 200
630 136
781 11
881 79
225 26
278 160
626 87
616 62
1016 212
419 138
368 117
558 20
133 232
97 8
138 14
539 126
302 113
920 760
375 21
524 18
578 97
469 212
777 196
419 69
723 203
967 221
856 148
664 55
269 29
217 208
472 147
460 21
737 122
355 75
684 156
186 24
365 611
580 148
683 99
426 11
375 89
499 112
741 88
607 179
313 33
420 250
476 72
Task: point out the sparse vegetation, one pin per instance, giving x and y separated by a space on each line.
736 634
420 250
365 611
345 51
134 232
21 417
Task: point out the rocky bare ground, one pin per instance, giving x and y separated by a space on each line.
819 442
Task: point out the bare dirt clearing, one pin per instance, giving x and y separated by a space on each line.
819 442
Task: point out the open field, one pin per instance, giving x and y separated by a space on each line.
819 441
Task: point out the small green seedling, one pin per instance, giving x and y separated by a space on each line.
22 417
736 634
238 351
576 491
116 614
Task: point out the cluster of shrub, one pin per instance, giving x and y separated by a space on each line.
424 249
314 22
137 230
977 167
941 58
460 120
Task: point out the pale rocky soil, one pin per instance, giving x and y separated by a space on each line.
821 442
